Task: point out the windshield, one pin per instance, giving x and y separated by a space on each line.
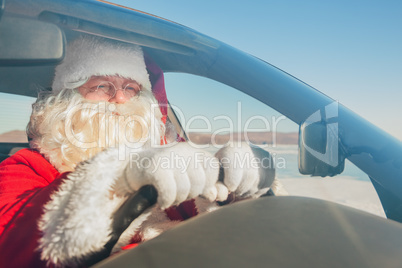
213 114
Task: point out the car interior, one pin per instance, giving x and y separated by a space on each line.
292 231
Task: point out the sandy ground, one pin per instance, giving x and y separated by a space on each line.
352 193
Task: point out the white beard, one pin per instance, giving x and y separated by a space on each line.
68 129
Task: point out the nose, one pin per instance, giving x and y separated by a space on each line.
119 97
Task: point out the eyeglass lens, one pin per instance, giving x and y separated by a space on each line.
108 88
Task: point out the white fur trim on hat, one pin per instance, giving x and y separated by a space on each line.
89 56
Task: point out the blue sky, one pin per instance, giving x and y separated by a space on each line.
350 50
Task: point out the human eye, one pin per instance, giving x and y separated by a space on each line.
132 87
104 86
93 88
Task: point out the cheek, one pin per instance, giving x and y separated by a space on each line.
82 91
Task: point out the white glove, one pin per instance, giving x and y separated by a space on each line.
247 171
178 173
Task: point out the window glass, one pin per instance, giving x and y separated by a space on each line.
212 114
15 111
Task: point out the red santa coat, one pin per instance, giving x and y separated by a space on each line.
27 181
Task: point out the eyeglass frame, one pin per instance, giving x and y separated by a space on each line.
136 95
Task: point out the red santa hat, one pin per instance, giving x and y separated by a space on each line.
89 56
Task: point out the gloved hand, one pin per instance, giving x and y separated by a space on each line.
178 173
248 171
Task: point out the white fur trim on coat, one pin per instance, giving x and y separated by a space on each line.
149 225
155 221
278 188
77 220
89 56
203 205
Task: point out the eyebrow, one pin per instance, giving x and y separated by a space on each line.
97 78
109 79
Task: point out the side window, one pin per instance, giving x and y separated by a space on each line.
212 114
15 111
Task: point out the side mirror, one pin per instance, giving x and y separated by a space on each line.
320 152
29 42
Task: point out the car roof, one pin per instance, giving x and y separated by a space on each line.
174 47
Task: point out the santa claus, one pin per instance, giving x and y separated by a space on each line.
96 139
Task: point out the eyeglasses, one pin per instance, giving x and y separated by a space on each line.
107 90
